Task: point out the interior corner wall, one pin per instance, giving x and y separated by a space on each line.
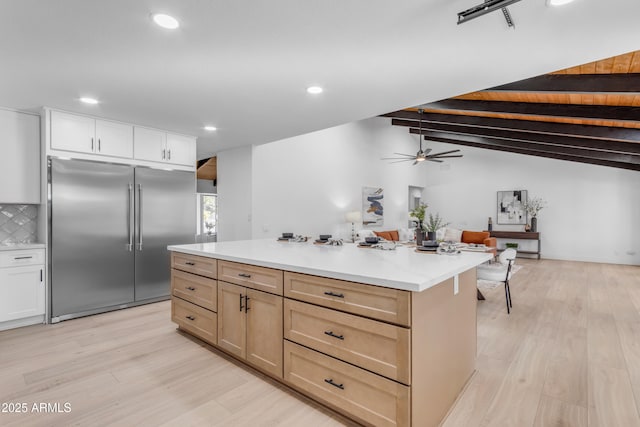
306 184
592 212
234 194
205 186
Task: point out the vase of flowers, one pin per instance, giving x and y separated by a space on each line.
419 213
533 206
433 224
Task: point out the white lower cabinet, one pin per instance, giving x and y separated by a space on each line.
22 288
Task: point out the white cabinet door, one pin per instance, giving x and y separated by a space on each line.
72 133
21 292
114 139
181 150
19 158
149 144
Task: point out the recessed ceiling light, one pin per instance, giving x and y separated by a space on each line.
314 90
558 2
88 100
166 21
210 128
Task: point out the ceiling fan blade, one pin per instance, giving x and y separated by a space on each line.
446 152
434 160
428 150
398 158
403 154
415 163
437 156
400 161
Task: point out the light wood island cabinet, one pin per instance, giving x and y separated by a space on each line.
379 355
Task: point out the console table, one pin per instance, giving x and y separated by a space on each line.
524 235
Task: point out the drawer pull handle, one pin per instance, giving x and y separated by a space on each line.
331 334
191 318
246 303
191 288
333 294
190 263
23 257
330 381
245 275
241 307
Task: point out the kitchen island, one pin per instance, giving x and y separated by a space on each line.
387 338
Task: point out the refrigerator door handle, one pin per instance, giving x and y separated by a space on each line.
140 217
130 219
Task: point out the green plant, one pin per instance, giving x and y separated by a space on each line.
435 223
419 212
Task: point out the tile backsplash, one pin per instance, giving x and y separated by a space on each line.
18 224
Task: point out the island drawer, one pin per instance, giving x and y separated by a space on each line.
195 320
260 278
199 265
196 289
370 344
389 305
361 394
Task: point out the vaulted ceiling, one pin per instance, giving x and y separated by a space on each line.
588 114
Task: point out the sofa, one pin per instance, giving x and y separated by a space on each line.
398 235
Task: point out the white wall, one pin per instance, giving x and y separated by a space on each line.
306 184
592 212
234 194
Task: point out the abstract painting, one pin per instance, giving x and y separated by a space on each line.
372 206
511 207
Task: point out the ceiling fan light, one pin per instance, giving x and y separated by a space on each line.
420 159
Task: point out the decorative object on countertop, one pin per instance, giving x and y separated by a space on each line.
434 224
385 245
353 217
419 212
372 206
533 207
335 242
285 237
18 224
448 248
511 207
324 238
511 245
299 238
490 224
372 240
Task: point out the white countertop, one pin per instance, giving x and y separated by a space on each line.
21 246
402 268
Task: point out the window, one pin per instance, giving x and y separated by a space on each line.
207 213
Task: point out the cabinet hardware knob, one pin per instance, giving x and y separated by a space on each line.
99 144
191 288
22 257
333 294
331 334
191 318
245 275
330 381
190 263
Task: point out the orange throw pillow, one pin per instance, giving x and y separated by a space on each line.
388 235
474 237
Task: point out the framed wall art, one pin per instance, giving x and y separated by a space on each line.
372 206
511 207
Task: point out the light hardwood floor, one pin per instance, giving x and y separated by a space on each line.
568 355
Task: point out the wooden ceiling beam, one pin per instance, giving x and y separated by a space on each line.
539 138
410 118
592 112
489 146
569 153
575 83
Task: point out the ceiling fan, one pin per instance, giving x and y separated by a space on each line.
422 155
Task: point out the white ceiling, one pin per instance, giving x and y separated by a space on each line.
244 65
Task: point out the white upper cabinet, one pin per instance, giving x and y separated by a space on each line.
19 157
181 150
71 132
157 146
149 144
114 139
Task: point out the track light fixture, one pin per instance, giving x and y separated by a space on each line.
484 8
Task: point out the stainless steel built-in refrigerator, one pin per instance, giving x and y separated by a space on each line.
109 229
